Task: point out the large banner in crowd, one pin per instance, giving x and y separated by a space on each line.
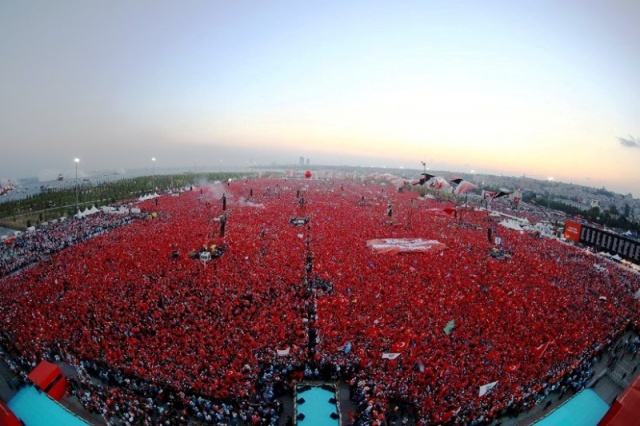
398 245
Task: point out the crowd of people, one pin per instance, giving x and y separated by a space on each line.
33 246
298 293
521 322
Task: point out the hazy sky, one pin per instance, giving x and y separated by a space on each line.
542 88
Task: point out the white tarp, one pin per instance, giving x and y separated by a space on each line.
398 245
511 224
113 210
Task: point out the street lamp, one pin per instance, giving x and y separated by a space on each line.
77 160
153 164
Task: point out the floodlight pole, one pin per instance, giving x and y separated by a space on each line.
77 160
153 165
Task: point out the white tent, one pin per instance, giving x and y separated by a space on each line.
87 212
148 197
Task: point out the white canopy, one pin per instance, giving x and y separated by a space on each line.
148 197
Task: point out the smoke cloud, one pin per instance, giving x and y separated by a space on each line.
630 142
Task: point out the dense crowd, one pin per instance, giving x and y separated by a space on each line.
523 322
159 335
34 246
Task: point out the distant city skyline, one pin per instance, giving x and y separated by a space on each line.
547 89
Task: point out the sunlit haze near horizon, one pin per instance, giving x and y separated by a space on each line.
544 88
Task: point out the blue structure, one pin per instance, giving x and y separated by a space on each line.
584 409
36 408
317 407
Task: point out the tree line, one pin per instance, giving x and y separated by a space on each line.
53 203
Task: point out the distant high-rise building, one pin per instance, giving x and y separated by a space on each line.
302 161
308 160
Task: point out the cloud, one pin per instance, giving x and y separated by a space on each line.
630 142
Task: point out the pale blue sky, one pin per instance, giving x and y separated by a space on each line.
543 88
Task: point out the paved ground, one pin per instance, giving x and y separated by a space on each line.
73 404
346 405
6 231
7 383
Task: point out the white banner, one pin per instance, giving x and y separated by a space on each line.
390 355
486 388
397 245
